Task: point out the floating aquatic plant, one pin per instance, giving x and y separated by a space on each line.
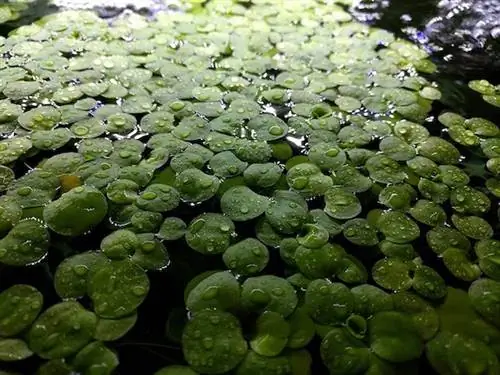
278 161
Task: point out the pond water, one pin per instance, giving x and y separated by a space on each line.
462 36
462 39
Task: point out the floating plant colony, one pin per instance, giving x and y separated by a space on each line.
289 156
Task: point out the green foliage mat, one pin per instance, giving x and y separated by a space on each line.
253 187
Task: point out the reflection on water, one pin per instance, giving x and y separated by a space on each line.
112 8
464 36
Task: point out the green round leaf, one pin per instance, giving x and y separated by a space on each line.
263 175
70 278
369 300
210 335
120 123
246 257
424 167
27 243
76 211
428 213
172 228
484 296
95 357
12 149
360 232
267 127
315 236
158 198
240 203
397 149
393 274
327 302
460 266
441 238
210 233
270 335
488 252
226 164
286 214
114 329
90 128
385 170
195 186
10 213
394 337
19 306
423 315
439 151
14 350
50 139
145 221
449 352
428 283
397 197
473 226
398 227
343 354
40 118
351 271
302 329
150 254
268 293
340 204
117 288
351 180
307 179
319 263
61 330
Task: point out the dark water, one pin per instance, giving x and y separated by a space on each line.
464 43
462 36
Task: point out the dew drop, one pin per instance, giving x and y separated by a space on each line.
208 343
278 292
149 195
276 130
80 130
210 293
139 290
252 268
24 191
259 296
300 183
80 269
332 152
148 246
